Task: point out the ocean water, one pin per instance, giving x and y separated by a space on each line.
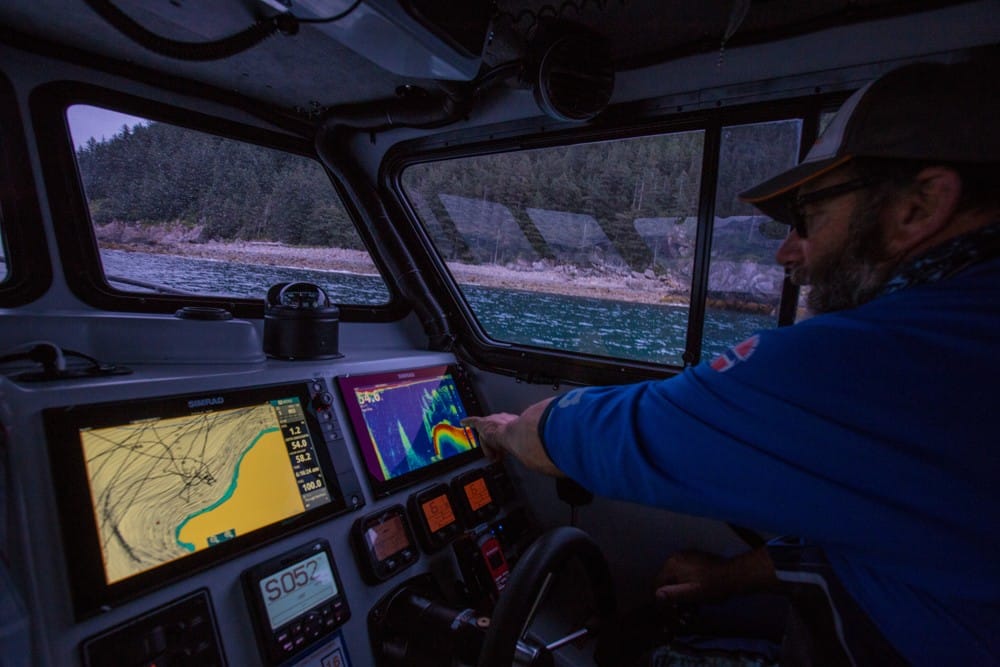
645 332
223 278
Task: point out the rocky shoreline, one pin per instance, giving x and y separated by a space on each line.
562 280
538 277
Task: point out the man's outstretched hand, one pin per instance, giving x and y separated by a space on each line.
491 430
503 433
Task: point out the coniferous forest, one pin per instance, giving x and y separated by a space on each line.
159 174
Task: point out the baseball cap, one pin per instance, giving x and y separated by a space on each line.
922 111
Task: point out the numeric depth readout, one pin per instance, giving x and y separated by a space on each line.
301 452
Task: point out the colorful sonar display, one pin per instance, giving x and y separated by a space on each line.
409 422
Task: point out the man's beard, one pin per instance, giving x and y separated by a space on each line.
856 273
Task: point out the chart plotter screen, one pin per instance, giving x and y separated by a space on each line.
169 479
408 423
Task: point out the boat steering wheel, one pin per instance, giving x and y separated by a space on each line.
529 582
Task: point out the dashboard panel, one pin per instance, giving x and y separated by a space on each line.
207 516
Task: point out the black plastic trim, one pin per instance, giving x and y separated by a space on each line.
29 273
703 242
78 249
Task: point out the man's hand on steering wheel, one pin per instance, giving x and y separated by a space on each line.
696 576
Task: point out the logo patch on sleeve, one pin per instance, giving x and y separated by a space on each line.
735 354
571 398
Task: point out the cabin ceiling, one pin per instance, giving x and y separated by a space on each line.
380 47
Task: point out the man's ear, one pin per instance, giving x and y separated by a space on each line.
918 218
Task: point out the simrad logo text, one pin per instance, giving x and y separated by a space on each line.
203 402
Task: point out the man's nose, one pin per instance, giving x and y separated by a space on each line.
790 250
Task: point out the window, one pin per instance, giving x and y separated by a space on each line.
6 186
586 248
744 280
824 119
4 271
176 211
590 248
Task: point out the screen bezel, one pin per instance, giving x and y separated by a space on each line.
382 488
374 569
91 591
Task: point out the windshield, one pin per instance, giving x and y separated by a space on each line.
176 211
590 248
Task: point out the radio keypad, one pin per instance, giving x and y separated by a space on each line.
317 623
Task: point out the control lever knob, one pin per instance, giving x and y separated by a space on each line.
322 400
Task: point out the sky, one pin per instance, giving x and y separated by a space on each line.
101 124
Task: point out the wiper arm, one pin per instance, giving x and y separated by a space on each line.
159 289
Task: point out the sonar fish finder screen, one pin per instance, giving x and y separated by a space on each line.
408 424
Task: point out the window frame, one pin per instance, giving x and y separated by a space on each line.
79 252
544 365
23 231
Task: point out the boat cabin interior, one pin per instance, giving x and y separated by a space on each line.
261 257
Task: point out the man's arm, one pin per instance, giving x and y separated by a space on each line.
504 433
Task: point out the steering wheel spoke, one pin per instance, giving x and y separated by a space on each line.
506 640
542 593
568 639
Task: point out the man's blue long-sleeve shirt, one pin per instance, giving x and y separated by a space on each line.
873 432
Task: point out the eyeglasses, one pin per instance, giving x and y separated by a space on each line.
798 218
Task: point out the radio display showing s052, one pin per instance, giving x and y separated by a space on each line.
296 601
290 592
